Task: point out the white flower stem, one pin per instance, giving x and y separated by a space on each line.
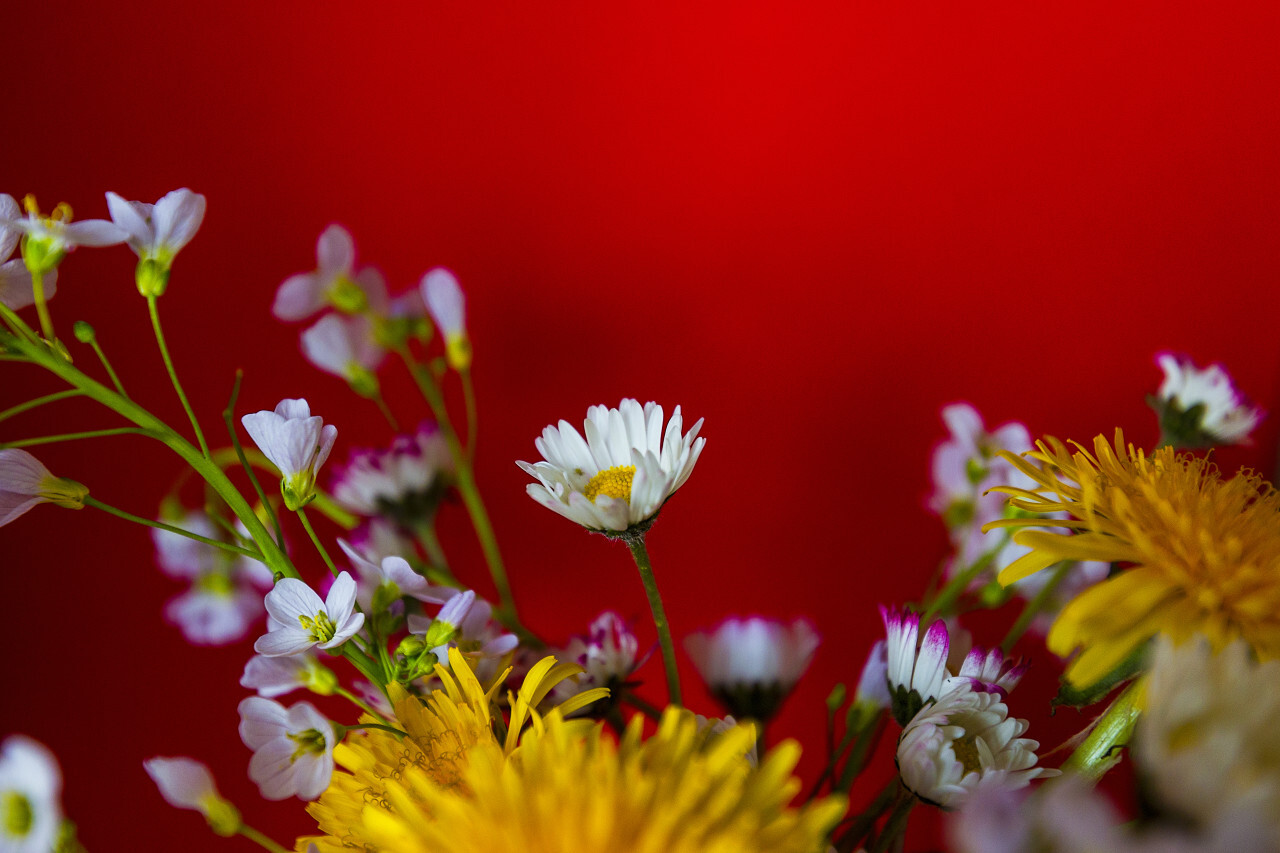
260 839
641 555
228 418
949 594
102 357
359 703
315 540
173 375
160 525
469 409
42 307
38 401
212 474
74 436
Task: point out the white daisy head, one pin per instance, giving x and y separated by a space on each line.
443 296
47 239
16 288
24 482
187 784
915 670
618 478
332 282
403 482
1208 741
1201 408
964 740
297 443
30 791
750 665
607 654
299 620
292 748
276 676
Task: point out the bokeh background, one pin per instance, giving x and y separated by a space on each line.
811 224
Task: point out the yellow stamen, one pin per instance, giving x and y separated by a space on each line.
614 482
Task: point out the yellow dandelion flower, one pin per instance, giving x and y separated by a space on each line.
562 785
1205 552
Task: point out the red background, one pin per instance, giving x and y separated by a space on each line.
811 226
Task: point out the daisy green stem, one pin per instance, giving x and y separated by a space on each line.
315 540
1093 758
217 480
160 525
173 375
359 703
258 838
228 418
895 828
42 308
37 402
102 357
868 740
653 712
862 824
506 610
1035 606
75 436
640 554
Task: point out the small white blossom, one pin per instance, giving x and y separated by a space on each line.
1224 415
607 654
24 482
332 282
622 474
300 620
965 740
296 442
187 784
345 347
750 665
157 232
465 623
30 789
49 238
276 676
394 575
444 300
215 611
292 748
915 671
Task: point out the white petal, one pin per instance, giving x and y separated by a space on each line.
95 232
183 782
177 217
335 252
299 296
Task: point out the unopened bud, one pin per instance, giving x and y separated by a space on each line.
84 332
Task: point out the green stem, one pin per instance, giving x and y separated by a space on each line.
386 411
275 558
896 826
160 525
640 554
102 357
364 663
506 611
955 587
228 415
653 712
330 510
426 532
392 729
862 824
469 409
315 540
1035 606
359 703
1099 752
42 307
38 401
74 436
173 375
258 838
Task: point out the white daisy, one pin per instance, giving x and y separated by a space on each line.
750 665
964 740
915 670
300 620
187 784
30 787
404 481
24 482
619 477
1201 408
292 748
297 443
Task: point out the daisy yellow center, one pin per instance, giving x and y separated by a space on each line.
321 628
614 482
17 815
966 751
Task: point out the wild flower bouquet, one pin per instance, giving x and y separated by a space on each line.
1154 576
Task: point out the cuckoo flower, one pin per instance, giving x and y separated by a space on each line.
300 620
297 443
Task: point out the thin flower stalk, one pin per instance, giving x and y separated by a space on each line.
173 374
641 555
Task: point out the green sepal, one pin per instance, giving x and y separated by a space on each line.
1082 696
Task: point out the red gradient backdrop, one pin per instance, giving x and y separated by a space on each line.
811 224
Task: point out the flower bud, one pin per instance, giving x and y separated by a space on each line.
84 332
